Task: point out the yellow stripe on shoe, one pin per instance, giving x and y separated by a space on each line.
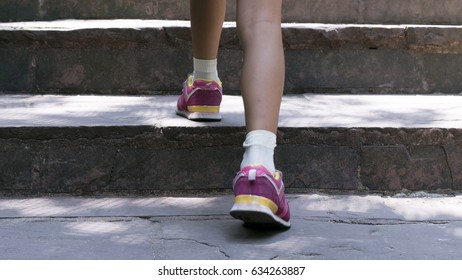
204 109
252 199
191 80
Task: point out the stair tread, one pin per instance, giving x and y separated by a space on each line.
307 110
76 24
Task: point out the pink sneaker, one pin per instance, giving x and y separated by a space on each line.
260 199
200 100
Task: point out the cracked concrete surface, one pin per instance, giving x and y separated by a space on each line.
324 227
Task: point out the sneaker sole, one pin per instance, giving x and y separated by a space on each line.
255 215
197 116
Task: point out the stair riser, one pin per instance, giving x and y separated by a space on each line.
147 160
322 11
325 58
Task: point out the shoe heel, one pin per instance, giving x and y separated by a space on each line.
205 117
257 211
256 202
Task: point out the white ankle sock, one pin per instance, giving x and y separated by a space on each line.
205 69
259 149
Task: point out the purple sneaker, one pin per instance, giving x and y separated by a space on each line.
200 100
260 199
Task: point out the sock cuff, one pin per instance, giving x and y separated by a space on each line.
205 66
260 137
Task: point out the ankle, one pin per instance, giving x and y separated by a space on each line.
259 149
205 69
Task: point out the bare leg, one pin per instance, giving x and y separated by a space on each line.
262 81
202 92
258 186
207 17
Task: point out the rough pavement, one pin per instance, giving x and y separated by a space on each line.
165 228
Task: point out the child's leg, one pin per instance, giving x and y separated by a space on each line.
259 191
202 92
262 80
207 17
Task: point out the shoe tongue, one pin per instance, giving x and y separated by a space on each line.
252 174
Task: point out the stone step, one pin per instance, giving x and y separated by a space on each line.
106 145
197 229
154 57
317 11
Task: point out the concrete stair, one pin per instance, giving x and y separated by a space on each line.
152 57
89 89
95 145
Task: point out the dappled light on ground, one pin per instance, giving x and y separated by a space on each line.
309 110
323 227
